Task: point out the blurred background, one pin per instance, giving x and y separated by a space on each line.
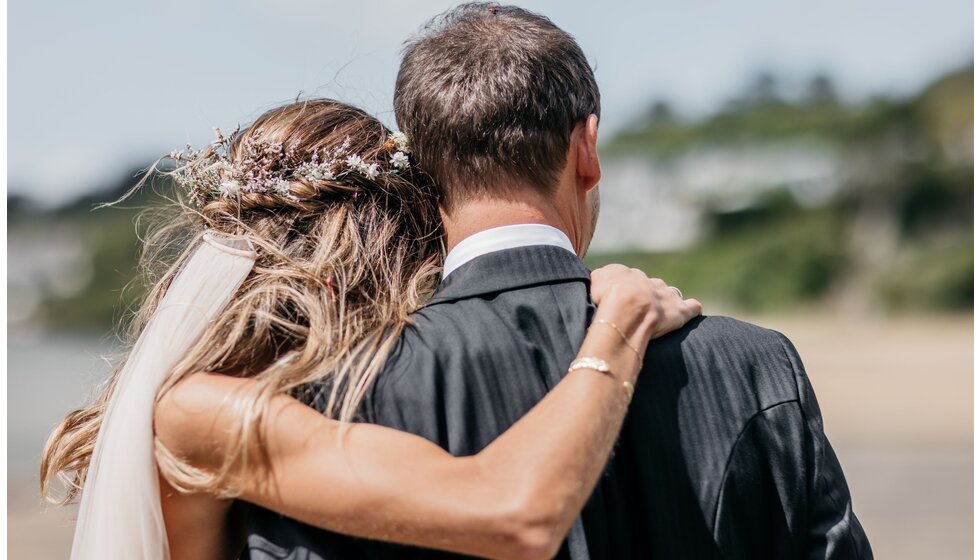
806 166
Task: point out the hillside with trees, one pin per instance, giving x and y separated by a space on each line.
771 203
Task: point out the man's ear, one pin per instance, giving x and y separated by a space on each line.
588 168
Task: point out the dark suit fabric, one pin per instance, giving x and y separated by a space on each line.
722 454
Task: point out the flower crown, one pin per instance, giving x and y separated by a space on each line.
266 167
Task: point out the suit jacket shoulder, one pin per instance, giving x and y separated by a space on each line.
734 407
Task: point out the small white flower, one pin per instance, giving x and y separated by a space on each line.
354 161
281 187
309 172
230 188
399 160
315 172
342 149
370 171
400 140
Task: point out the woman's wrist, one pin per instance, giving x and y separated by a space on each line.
606 344
635 316
600 322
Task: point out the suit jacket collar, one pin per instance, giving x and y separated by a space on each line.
510 269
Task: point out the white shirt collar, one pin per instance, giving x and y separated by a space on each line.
500 238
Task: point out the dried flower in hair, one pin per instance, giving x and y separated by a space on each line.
400 161
371 171
400 140
266 167
354 161
230 188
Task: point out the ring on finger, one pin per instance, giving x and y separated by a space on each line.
680 294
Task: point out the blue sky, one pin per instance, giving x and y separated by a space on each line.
100 86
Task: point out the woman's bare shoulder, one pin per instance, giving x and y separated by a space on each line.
192 419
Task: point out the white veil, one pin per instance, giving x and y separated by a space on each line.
120 515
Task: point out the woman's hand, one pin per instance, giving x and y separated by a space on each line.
643 308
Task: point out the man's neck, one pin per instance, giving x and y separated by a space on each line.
475 216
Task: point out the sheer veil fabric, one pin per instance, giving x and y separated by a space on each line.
120 516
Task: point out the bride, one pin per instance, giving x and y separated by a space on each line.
301 246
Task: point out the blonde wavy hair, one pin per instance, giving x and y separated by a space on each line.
341 265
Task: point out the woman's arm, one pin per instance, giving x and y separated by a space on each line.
517 498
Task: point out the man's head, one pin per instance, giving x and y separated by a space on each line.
496 99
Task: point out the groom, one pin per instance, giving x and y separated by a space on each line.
723 453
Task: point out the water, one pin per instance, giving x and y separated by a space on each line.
46 377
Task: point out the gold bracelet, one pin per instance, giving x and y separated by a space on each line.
599 365
628 389
622 335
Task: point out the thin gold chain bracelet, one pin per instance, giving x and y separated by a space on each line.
622 335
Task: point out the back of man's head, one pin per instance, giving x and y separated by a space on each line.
488 96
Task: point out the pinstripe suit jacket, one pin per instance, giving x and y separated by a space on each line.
722 454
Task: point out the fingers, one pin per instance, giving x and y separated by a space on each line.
631 293
674 312
614 277
694 307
